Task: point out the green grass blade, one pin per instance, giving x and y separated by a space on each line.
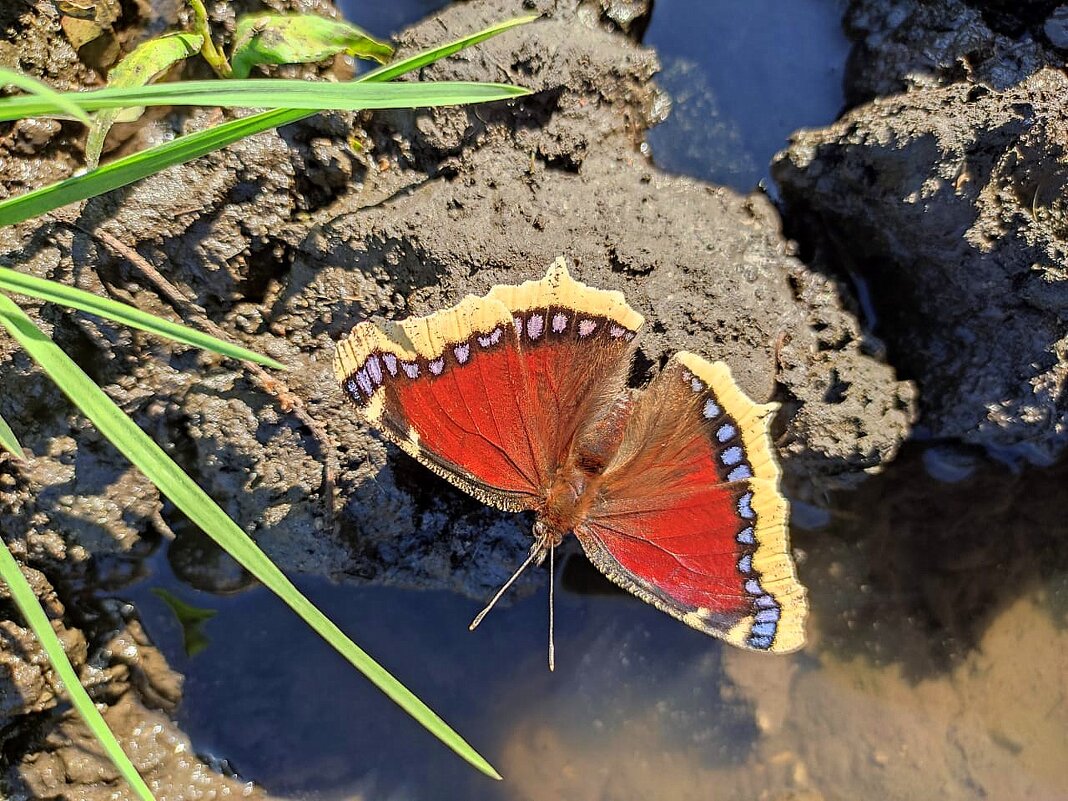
134 167
126 170
427 57
205 513
43 90
54 292
8 441
269 93
35 616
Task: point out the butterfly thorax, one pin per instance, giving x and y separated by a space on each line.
576 483
566 501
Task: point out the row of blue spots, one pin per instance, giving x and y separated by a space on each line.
732 457
766 619
362 384
561 320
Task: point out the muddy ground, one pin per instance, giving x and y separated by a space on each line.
947 202
289 238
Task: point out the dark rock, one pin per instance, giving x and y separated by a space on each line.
949 202
904 44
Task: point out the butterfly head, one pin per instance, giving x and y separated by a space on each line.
546 537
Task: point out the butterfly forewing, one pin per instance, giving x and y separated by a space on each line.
577 347
490 393
689 516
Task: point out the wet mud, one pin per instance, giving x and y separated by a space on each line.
945 202
922 613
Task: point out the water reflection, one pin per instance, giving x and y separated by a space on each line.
381 19
743 77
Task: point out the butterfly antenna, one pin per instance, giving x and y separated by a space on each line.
552 646
534 553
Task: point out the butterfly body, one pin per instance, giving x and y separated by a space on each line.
566 502
520 398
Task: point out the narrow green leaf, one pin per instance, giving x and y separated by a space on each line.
270 93
38 622
205 513
299 39
136 166
43 90
55 292
8 441
427 57
143 65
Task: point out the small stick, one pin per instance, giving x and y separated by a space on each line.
270 384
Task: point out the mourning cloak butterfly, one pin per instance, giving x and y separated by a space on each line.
519 397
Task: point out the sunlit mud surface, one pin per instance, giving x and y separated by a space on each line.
937 667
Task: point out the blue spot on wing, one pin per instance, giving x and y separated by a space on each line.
744 509
770 615
740 472
766 629
732 455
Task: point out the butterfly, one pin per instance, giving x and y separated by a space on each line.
520 398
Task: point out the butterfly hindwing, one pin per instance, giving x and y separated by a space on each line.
689 515
491 392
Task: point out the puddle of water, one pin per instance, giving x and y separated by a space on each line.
273 700
938 658
742 78
379 19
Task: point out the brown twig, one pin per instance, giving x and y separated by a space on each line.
287 400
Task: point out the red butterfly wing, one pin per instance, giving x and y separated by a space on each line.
491 392
689 515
